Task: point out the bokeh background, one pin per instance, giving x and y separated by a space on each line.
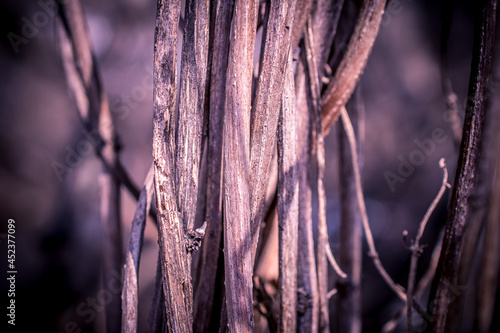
58 233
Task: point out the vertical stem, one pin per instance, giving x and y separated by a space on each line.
175 268
287 204
210 252
313 84
467 170
349 290
266 106
307 302
237 231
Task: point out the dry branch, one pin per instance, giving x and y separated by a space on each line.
416 249
131 276
307 302
398 290
266 106
348 317
237 230
346 77
191 108
314 90
177 287
287 204
211 250
467 169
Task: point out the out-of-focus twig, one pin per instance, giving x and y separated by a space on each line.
83 79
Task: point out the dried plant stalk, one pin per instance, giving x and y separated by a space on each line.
346 77
266 106
191 108
287 204
351 234
467 169
307 302
416 249
211 251
237 231
177 287
131 275
313 83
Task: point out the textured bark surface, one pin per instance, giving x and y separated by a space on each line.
467 169
266 106
237 231
177 287
346 77
211 249
191 108
307 285
288 205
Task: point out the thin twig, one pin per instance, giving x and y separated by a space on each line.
332 293
131 275
334 263
416 249
422 284
314 89
361 201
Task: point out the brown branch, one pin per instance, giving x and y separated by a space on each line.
307 282
314 90
351 233
398 290
288 204
422 284
191 109
131 275
211 251
466 176
342 85
175 270
416 249
236 135
266 106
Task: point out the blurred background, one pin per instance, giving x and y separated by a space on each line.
58 233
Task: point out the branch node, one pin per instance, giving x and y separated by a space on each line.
195 237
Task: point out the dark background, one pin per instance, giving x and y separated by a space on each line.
58 233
